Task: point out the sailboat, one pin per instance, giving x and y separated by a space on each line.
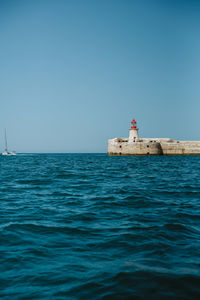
6 152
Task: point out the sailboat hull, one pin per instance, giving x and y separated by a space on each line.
8 153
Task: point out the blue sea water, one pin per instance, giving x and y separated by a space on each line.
90 226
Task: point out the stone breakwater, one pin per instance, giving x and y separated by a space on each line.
152 146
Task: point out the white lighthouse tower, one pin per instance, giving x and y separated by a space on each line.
133 132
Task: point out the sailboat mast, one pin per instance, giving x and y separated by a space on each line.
6 141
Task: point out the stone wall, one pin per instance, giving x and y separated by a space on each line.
119 146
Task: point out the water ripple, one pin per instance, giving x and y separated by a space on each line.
89 226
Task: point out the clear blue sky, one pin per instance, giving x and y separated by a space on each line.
73 73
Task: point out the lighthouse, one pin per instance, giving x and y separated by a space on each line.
133 131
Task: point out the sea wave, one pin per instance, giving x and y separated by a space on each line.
89 226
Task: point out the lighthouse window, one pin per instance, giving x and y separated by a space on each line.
147 146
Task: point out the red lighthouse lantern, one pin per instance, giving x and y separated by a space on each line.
133 124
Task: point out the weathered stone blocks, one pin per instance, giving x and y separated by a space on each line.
120 146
